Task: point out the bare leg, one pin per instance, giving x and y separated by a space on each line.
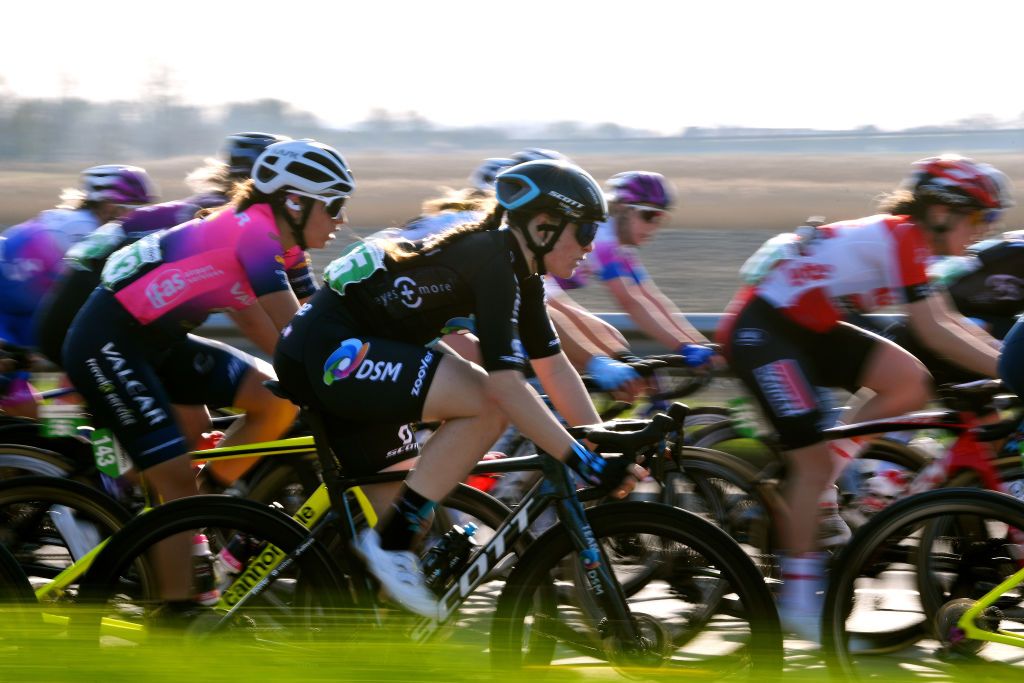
171 480
267 417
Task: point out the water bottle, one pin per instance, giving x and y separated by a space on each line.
744 416
232 558
448 556
204 575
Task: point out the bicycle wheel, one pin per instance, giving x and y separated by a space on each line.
707 613
728 491
874 601
18 460
287 480
49 523
19 616
302 601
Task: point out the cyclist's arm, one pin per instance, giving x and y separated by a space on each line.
583 343
257 327
525 409
969 326
936 326
654 313
263 323
565 389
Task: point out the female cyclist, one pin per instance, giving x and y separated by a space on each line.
785 335
356 350
211 184
129 352
590 344
639 204
31 253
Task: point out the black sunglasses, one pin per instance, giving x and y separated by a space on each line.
586 232
335 206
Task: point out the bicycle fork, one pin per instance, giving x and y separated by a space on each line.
593 561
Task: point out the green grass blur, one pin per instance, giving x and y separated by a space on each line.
37 653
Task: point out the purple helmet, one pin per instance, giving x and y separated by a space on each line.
118 184
640 187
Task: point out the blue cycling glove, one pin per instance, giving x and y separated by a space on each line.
696 355
610 374
586 463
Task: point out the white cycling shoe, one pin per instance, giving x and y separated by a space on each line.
399 574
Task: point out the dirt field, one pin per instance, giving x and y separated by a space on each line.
728 203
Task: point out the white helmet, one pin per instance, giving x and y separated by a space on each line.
306 166
538 153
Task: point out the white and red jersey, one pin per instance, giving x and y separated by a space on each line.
869 262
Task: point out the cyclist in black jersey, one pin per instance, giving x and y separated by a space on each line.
359 350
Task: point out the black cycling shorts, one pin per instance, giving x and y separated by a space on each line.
782 363
130 377
370 389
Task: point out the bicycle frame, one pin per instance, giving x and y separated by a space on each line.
967 623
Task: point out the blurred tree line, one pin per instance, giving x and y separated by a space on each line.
159 124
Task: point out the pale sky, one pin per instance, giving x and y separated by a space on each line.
653 64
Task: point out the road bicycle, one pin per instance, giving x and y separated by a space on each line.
753 487
565 594
936 578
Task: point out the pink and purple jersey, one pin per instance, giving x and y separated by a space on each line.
31 253
175 278
610 260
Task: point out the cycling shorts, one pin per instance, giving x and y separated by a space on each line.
130 377
781 363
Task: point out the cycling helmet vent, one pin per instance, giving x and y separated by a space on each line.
308 172
303 165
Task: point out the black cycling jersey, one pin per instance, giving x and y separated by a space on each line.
991 281
481 274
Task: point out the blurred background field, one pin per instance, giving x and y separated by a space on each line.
728 203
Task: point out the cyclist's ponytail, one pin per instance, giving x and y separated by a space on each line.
397 251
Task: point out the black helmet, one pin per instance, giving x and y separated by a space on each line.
242 149
554 186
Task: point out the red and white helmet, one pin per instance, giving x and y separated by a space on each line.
960 181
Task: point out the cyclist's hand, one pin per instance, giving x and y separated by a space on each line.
634 474
696 355
619 475
612 375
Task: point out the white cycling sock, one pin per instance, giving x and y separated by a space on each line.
803 583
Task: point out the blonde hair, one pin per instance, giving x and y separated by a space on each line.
466 199
901 202
240 197
210 178
71 198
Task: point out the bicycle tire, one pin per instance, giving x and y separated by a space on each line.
528 587
22 460
318 573
871 554
14 586
746 507
933 593
19 516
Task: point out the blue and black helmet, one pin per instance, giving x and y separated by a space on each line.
558 187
